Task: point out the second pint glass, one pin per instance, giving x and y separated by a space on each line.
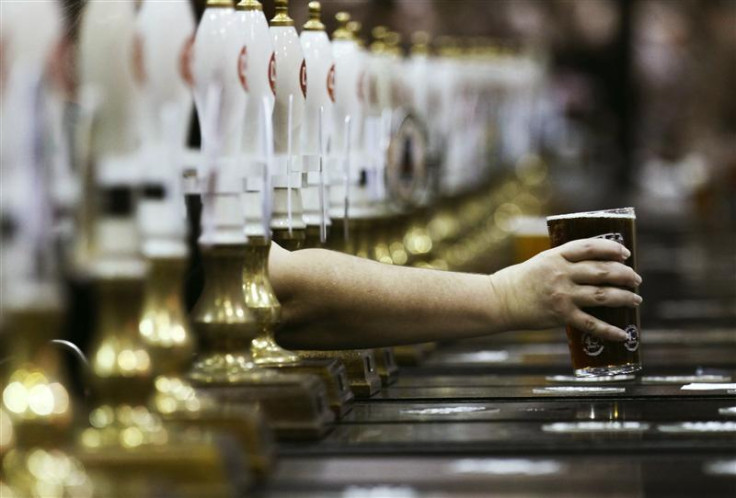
592 356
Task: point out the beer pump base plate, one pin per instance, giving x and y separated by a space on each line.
412 355
245 422
608 371
191 467
332 372
360 365
386 365
295 406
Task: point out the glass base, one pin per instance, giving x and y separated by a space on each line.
608 370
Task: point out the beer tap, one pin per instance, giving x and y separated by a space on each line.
287 222
36 411
260 298
165 328
348 59
344 178
351 197
417 240
120 365
164 325
398 143
374 241
124 436
257 76
360 365
317 128
233 308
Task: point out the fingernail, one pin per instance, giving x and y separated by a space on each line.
621 336
638 280
626 253
638 300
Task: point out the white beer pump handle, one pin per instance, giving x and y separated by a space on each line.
346 175
385 140
322 203
171 117
267 137
211 151
289 117
33 219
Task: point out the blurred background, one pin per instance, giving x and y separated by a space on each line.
643 90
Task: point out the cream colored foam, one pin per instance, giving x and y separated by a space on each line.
609 213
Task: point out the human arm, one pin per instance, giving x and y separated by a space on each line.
335 301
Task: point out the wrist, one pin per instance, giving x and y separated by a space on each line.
499 309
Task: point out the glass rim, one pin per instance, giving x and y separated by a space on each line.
626 212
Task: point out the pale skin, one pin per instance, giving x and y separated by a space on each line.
335 301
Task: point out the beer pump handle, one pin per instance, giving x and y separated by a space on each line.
211 150
322 203
384 142
171 117
346 175
30 214
267 137
289 132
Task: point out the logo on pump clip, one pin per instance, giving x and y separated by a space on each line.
331 83
303 78
243 67
185 62
139 69
272 73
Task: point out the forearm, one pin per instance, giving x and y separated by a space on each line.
335 301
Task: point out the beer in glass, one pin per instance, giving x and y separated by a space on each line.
591 355
529 237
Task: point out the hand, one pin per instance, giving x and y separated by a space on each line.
551 288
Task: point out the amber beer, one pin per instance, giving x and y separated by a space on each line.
592 356
529 237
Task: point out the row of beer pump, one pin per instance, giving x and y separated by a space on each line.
305 140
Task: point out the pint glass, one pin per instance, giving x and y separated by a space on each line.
592 356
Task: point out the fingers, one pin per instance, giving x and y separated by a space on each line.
587 323
604 272
611 297
597 249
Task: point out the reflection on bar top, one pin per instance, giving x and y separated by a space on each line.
697 386
591 380
514 466
721 467
611 426
710 426
577 390
448 410
682 379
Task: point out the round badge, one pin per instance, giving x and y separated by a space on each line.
272 73
185 62
243 67
615 236
303 77
139 71
632 338
592 346
331 83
